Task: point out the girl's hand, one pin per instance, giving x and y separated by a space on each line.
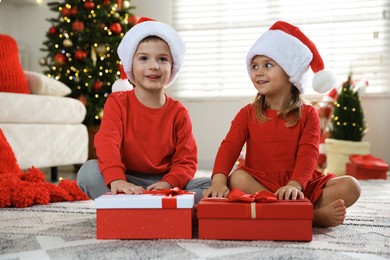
125 187
218 187
291 191
221 191
159 185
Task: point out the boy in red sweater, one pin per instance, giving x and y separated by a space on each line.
282 132
145 141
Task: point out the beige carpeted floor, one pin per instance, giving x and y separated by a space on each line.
67 231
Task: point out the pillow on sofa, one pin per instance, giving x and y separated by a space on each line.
43 85
12 78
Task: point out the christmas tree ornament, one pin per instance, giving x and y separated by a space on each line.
52 30
126 4
80 55
59 59
287 45
89 5
42 61
93 55
106 2
65 11
67 43
132 19
83 99
116 28
78 26
97 85
73 11
119 4
101 49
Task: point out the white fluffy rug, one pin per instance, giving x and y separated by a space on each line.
67 231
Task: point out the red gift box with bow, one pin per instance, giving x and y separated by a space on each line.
260 216
364 167
152 215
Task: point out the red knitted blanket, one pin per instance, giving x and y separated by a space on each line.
23 189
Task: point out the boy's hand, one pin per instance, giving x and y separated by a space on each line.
125 187
221 191
291 191
159 185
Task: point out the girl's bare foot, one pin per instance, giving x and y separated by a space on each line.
330 215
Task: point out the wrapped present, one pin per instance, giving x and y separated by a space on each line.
365 167
152 215
255 217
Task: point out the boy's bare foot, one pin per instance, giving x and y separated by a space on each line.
330 215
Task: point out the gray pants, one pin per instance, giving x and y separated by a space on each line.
91 181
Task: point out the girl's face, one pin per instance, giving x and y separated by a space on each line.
152 65
269 78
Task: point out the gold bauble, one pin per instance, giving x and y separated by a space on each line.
125 4
68 43
42 61
101 49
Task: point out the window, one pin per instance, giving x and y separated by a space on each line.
351 35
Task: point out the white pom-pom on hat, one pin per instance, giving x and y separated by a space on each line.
287 45
148 27
121 84
323 81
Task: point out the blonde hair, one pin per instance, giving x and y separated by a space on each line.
290 111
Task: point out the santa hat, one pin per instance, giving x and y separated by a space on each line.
295 53
148 27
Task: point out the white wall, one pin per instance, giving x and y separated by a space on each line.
27 24
211 118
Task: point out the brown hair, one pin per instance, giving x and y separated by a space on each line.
290 111
152 38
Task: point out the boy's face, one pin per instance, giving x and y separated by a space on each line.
152 64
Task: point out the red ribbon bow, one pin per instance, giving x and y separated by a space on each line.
169 200
168 192
368 161
260 196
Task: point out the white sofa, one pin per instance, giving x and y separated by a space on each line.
44 128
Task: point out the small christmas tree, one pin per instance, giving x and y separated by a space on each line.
348 117
81 49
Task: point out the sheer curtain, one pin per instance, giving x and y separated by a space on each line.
351 35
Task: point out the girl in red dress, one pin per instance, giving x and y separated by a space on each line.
282 132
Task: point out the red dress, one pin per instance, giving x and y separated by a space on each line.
275 154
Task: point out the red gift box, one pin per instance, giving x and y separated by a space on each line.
145 216
277 220
364 167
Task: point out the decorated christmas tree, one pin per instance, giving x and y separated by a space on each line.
348 117
81 49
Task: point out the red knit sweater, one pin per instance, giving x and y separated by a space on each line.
271 147
136 138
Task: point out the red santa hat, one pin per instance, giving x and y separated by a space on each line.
295 53
148 27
